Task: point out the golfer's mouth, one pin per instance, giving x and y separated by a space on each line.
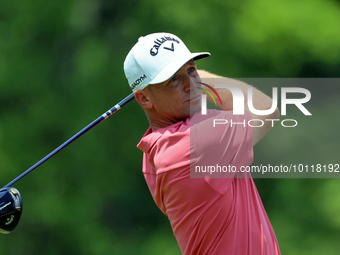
193 98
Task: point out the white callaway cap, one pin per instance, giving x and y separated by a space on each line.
155 58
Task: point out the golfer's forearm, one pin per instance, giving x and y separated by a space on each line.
260 100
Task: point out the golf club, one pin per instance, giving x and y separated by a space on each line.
10 198
10 209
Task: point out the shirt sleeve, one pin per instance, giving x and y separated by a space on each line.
221 145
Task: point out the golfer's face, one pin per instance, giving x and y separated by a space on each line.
178 98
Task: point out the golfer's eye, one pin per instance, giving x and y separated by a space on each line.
173 82
191 69
173 79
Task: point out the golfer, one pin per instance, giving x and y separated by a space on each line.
208 215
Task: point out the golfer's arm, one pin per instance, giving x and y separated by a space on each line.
260 100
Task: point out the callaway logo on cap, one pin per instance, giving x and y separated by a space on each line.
155 58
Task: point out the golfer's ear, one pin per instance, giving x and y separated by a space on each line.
142 98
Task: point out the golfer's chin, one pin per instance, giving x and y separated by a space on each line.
194 108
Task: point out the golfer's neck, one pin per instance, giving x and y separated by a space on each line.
158 122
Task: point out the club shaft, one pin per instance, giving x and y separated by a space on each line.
73 138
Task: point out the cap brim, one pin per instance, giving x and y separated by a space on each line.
175 65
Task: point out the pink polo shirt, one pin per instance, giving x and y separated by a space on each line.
208 215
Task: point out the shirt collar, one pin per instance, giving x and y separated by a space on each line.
150 138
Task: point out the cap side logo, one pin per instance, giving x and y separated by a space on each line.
138 81
159 42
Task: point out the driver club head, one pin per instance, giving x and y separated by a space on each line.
10 209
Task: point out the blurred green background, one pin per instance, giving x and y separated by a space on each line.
61 66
